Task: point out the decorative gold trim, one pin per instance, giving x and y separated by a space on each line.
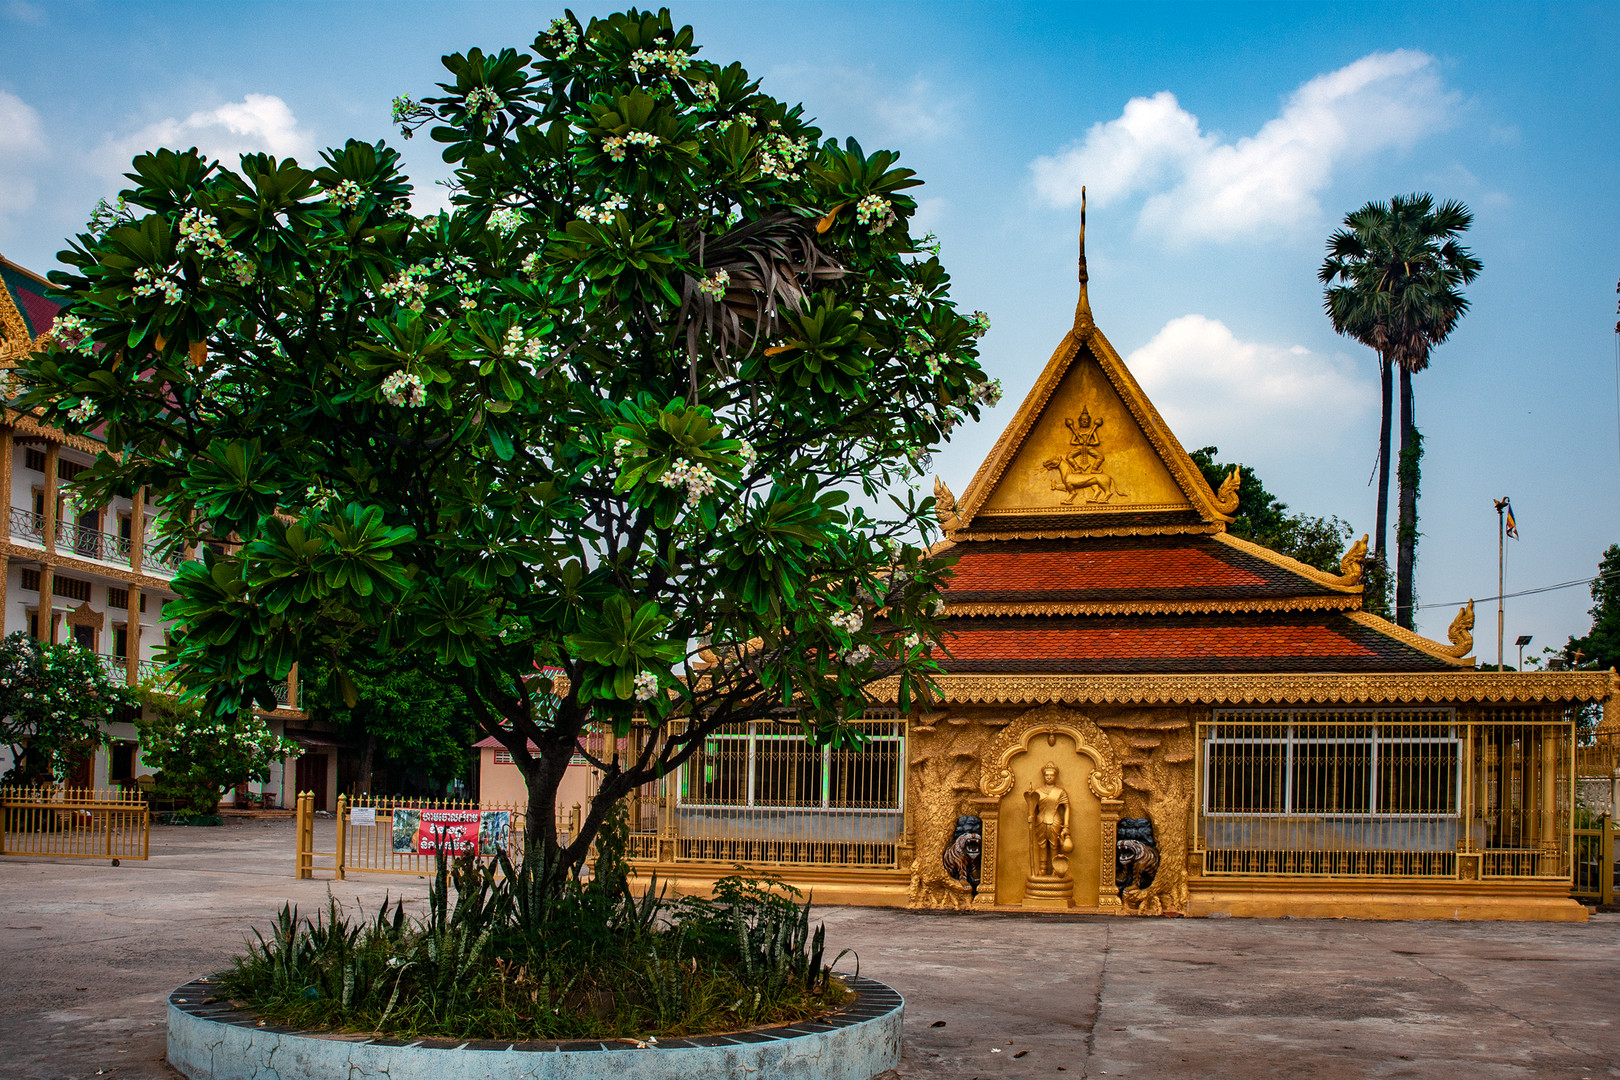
1198 528
945 508
58 561
1279 689
1406 637
996 776
1304 570
1153 607
25 424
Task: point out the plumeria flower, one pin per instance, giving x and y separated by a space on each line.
404 389
715 284
874 212
698 481
346 194
483 103
646 686
848 621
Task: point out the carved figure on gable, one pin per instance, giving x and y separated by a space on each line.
961 858
1080 471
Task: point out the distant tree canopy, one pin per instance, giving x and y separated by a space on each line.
1599 647
1264 518
411 719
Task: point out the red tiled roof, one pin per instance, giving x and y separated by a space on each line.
29 294
1260 642
1118 569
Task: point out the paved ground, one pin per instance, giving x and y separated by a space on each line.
88 952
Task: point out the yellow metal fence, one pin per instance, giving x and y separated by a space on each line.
1415 793
74 823
384 835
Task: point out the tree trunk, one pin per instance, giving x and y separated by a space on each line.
1406 533
1386 377
368 762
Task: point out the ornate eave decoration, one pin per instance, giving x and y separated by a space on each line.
1407 637
1348 582
1155 607
996 778
1414 687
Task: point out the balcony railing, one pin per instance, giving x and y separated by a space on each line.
95 544
117 667
88 543
27 525
162 560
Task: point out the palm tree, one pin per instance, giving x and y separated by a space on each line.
1400 271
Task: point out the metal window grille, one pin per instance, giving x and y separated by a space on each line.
1407 793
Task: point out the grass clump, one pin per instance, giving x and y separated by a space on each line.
524 953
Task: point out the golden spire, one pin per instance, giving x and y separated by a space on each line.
1082 310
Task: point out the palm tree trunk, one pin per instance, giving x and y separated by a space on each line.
1406 533
1386 375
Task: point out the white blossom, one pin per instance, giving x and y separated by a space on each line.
404 389
715 284
698 481
874 212
848 621
646 685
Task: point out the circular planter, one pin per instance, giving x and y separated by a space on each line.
211 1040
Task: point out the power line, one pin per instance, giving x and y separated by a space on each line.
1526 592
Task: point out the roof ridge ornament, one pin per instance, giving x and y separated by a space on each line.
1083 321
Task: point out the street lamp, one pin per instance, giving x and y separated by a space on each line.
1524 639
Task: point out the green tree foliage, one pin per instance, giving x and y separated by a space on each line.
55 701
605 414
198 756
411 720
1265 519
1599 647
1399 272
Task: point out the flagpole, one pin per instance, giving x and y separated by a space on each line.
1501 573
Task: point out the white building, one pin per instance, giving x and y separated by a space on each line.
94 576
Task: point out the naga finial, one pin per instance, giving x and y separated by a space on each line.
1353 563
1226 499
1461 631
945 508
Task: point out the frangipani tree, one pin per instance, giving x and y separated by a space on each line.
606 416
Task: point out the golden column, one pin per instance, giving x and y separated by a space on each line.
137 563
47 572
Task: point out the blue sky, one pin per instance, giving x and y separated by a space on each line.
1220 143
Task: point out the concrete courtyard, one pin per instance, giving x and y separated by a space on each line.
89 951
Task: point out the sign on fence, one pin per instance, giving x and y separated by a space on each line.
453 832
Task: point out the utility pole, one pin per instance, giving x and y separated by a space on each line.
1501 572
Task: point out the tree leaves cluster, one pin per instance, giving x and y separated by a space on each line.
605 415
55 703
1263 518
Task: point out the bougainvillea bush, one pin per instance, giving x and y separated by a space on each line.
606 415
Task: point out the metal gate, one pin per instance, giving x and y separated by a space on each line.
74 823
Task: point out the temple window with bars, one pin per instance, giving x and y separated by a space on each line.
1386 792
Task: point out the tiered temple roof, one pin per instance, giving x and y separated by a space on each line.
1089 543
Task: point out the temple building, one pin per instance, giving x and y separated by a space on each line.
92 575
1143 714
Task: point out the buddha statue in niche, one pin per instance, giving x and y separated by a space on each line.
1049 840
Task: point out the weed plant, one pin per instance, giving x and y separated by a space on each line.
525 953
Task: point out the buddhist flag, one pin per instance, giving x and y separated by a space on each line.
1508 519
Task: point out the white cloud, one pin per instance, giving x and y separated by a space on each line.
22 147
872 106
24 12
259 123
1254 400
1201 187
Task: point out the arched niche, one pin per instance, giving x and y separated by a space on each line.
1088 771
